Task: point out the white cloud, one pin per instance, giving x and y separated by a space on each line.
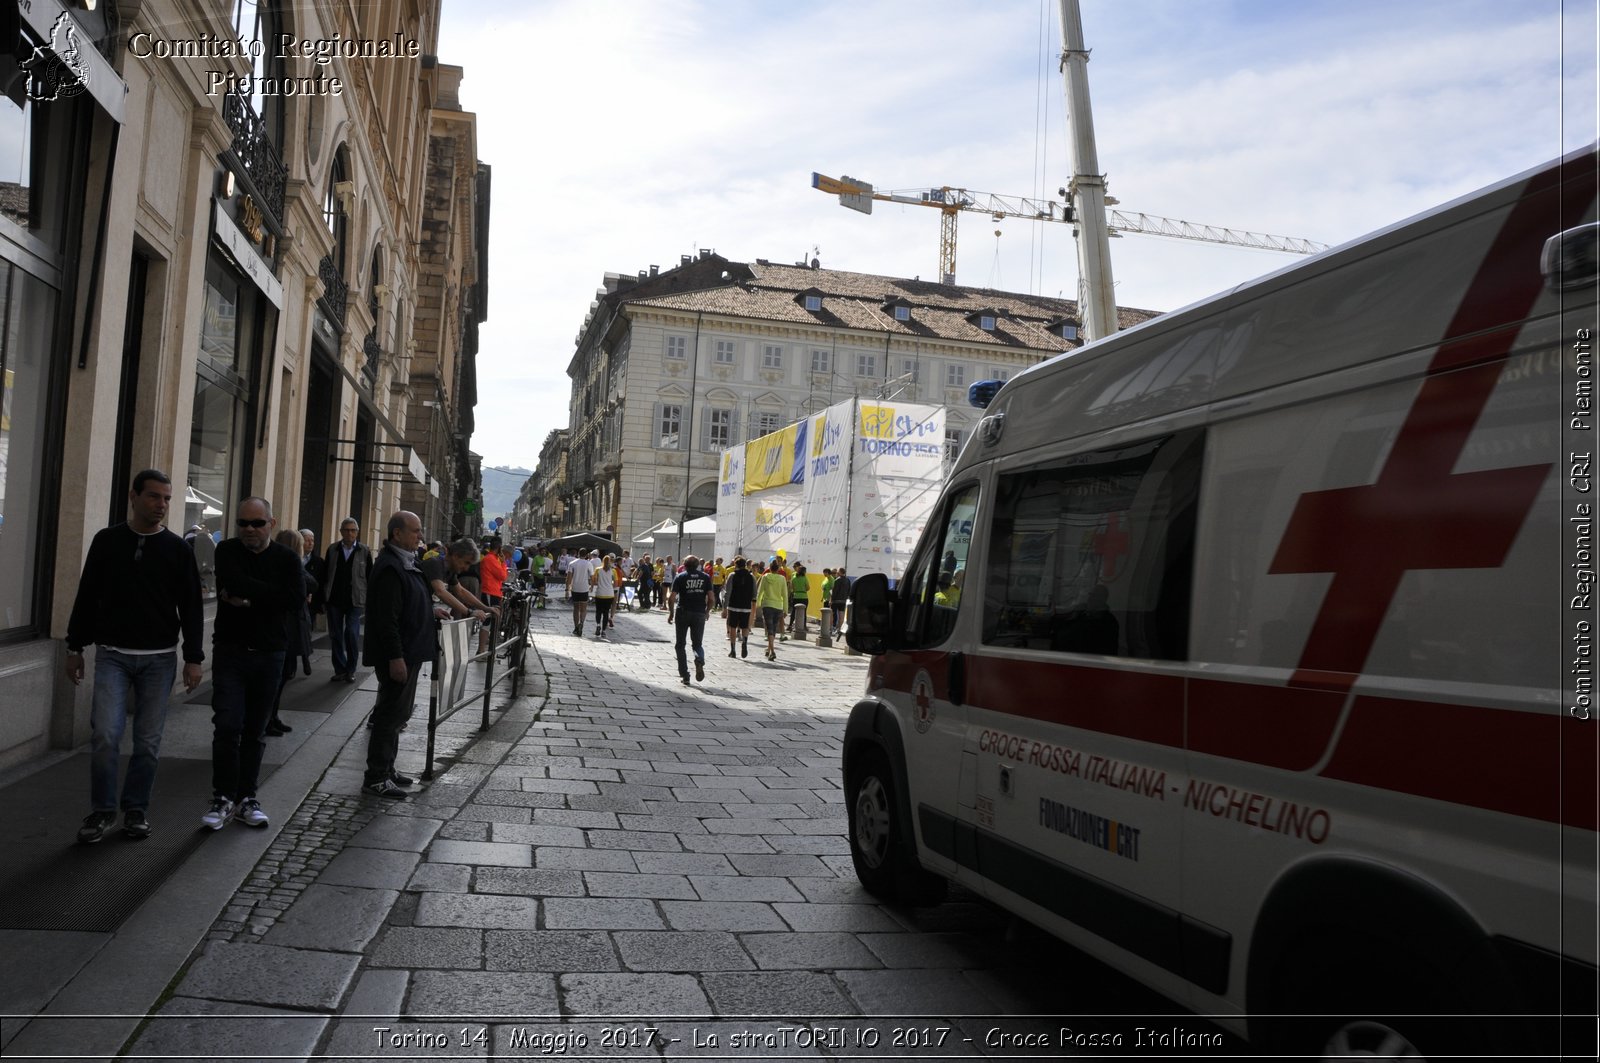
626 135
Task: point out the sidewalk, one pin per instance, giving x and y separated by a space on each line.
100 929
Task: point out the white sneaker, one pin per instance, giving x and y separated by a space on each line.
250 814
218 814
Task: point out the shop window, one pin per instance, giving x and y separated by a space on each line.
28 310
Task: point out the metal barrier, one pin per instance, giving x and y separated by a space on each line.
515 617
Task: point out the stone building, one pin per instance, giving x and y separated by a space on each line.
211 260
672 366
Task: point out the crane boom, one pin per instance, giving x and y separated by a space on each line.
950 200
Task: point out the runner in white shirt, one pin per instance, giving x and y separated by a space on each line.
579 570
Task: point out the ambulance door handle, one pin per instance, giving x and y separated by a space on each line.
958 679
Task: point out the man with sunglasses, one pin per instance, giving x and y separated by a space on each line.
140 589
258 582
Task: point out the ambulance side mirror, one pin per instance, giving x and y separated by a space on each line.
871 614
1571 259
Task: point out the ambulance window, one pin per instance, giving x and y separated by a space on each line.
934 583
1095 553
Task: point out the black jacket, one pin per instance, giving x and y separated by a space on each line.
273 581
399 613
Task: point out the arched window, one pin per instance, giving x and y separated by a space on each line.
335 210
260 20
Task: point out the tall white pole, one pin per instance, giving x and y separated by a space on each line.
1097 301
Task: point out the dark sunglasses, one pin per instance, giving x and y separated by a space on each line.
257 523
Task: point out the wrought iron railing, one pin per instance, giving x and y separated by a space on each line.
259 164
371 352
335 291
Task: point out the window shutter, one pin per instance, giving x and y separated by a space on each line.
705 431
733 427
655 427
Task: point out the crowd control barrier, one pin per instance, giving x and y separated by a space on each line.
508 641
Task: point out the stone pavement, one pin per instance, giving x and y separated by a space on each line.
619 866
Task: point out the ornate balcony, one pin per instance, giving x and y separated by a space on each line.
372 353
335 291
255 158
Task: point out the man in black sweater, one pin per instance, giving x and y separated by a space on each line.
400 640
258 582
140 587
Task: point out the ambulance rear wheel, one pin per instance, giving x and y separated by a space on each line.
1358 996
879 848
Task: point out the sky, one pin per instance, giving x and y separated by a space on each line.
626 135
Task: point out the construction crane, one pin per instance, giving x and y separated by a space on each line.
951 201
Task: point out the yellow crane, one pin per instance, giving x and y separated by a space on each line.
950 201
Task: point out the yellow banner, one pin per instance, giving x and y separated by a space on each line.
769 461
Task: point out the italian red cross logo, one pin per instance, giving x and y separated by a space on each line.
1420 513
1111 542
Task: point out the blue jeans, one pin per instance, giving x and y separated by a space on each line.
244 687
693 625
344 637
145 680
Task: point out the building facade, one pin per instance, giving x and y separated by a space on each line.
671 367
211 258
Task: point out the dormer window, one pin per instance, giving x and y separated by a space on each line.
1064 327
985 318
902 313
813 302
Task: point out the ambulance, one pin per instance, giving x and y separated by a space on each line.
1249 650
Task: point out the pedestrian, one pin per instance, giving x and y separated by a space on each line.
827 588
605 596
562 564
138 596
443 575
400 640
296 634
344 593
492 574
646 580
580 574
719 577
840 599
741 598
205 555
661 576
259 584
772 594
315 567
689 601
799 598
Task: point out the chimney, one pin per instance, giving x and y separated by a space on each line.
684 260
705 252
654 269
643 275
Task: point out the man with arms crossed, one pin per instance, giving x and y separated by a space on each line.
140 588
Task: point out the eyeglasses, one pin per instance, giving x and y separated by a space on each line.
257 523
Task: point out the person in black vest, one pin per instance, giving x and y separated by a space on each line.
140 592
260 583
841 598
400 640
344 591
690 599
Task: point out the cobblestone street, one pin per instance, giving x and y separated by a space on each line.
619 866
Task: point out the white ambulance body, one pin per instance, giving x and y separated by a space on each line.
1253 676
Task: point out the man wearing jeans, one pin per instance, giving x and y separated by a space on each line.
259 582
344 594
140 588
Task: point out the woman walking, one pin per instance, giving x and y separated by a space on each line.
772 595
740 589
605 596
